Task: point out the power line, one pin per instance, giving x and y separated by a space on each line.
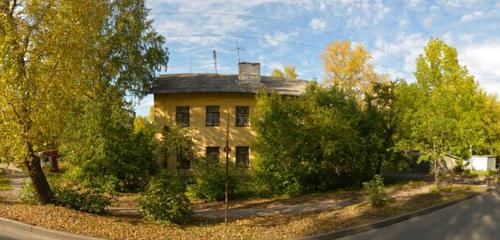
289 23
276 40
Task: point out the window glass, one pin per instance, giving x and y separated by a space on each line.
212 154
242 113
182 116
212 115
242 157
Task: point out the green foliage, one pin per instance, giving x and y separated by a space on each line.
376 191
310 143
90 201
64 81
175 141
210 181
288 72
69 196
442 110
165 199
113 150
27 193
5 184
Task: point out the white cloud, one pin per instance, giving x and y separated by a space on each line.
427 22
461 3
318 24
471 16
278 38
199 17
483 62
414 3
405 47
142 108
403 23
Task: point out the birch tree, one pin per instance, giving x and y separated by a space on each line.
57 55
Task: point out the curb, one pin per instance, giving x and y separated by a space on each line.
386 222
44 231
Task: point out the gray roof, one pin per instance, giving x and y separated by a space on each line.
212 83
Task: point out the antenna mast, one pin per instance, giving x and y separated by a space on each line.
190 64
215 60
238 50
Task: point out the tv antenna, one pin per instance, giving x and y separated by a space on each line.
238 50
215 60
190 65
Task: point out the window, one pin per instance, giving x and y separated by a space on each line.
212 115
212 154
242 157
182 161
242 116
182 116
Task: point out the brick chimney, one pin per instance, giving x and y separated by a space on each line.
249 71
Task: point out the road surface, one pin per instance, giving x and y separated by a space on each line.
10 233
475 219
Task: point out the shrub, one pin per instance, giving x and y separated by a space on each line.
210 183
376 191
27 193
91 201
165 199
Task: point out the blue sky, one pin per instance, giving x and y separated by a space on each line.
278 32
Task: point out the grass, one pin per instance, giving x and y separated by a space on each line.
265 227
5 184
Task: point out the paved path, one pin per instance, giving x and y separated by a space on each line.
475 219
16 181
10 233
310 205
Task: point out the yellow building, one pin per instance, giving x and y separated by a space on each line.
206 102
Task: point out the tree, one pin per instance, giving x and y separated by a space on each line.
348 67
490 116
288 72
310 142
59 58
380 123
445 116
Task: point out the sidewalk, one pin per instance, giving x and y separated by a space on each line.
16 178
286 207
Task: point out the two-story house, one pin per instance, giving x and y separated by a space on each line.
205 102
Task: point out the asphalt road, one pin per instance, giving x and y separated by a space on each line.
475 219
9 233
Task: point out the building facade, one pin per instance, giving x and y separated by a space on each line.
211 104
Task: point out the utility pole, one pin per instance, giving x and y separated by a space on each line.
227 149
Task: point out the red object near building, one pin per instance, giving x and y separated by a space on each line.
52 158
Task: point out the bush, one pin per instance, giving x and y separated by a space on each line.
27 193
210 184
165 199
91 201
376 191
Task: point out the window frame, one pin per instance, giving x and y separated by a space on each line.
212 115
184 117
243 163
238 116
181 161
208 155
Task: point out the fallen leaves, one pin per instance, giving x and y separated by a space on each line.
268 227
